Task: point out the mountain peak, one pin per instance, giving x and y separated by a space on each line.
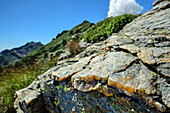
10 56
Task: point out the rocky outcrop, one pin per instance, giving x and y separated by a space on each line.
125 73
154 22
157 2
10 56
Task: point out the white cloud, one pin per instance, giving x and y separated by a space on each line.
119 7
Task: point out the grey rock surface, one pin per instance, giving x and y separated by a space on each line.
154 22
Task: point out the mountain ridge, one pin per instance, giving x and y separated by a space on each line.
10 56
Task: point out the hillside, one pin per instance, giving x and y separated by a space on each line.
10 56
21 73
24 71
127 71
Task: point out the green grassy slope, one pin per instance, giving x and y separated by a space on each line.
106 27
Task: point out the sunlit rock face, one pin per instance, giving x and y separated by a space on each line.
103 65
135 78
153 22
124 73
70 70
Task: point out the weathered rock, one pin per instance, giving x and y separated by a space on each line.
162 41
66 54
164 87
157 2
154 22
135 78
62 98
157 56
70 70
84 44
133 49
164 69
102 66
30 99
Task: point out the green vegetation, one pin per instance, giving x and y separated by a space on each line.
160 31
58 102
20 74
106 27
153 73
65 90
62 108
59 87
16 80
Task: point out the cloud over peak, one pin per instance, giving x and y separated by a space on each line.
120 7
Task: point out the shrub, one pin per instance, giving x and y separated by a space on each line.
106 27
73 47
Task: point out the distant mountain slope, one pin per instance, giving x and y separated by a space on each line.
55 47
10 56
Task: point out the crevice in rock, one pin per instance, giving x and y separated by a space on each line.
153 69
158 98
119 95
126 51
137 61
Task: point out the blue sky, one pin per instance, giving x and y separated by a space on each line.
22 21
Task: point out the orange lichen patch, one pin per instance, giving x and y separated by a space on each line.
136 77
131 90
100 68
70 70
92 85
31 97
67 76
146 55
131 48
154 55
88 77
96 72
163 60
